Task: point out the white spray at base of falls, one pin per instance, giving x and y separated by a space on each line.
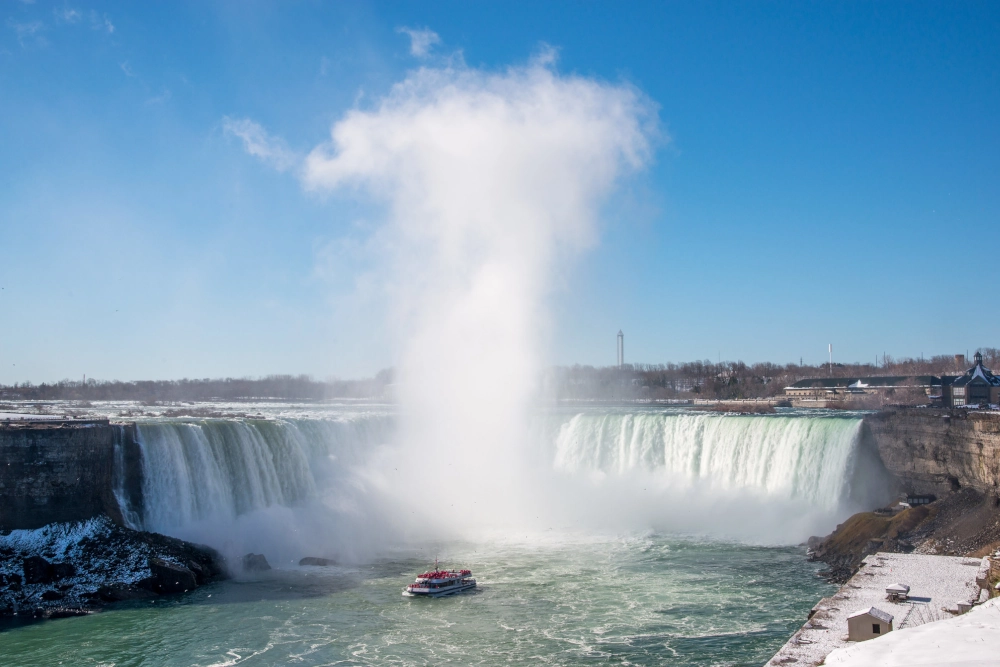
295 487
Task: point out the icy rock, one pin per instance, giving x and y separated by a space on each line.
123 592
316 562
255 563
170 578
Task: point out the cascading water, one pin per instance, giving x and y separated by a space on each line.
787 458
322 486
242 485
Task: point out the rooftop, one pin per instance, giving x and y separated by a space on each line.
883 616
937 584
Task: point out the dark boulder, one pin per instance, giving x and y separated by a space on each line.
37 570
316 562
121 592
255 563
63 570
170 578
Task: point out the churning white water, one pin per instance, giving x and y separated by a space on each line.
328 486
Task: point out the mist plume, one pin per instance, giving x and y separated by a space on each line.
490 181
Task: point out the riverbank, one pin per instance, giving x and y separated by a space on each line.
965 523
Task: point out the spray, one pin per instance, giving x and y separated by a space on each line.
492 183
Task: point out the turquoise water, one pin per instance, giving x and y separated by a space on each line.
649 600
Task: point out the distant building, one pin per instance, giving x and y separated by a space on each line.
868 624
848 388
978 386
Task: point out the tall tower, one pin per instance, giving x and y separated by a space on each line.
621 349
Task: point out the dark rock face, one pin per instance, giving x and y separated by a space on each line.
37 570
66 471
255 563
316 562
100 563
938 452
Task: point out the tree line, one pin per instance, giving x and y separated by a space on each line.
727 380
733 380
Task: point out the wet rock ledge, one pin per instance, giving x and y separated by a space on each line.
76 568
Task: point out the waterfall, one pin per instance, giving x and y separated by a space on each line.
313 485
220 469
809 460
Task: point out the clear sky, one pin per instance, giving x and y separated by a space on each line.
827 172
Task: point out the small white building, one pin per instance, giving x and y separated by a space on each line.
868 624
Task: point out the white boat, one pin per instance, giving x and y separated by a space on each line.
440 582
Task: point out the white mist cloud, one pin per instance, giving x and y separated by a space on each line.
490 181
29 31
67 15
422 40
257 142
101 22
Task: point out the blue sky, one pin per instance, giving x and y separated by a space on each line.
831 175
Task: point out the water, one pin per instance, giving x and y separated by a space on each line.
653 536
334 480
645 600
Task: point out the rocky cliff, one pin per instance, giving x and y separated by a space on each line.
952 454
938 451
67 471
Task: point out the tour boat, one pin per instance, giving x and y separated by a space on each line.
440 582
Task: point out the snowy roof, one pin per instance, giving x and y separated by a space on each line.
897 588
977 372
874 612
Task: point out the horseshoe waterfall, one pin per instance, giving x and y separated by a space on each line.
286 486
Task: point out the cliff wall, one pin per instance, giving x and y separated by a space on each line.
938 451
67 471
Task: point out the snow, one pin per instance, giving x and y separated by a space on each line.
100 551
55 538
21 416
937 585
969 640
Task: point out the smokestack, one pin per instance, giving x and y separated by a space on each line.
831 359
621 349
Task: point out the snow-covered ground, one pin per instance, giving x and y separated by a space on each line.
937 585
970 640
